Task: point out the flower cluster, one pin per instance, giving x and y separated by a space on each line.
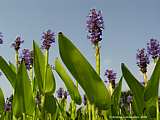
28 58
142 60
17 43
111 77
1 38
48 38
129 99
61 93
153 48
95 26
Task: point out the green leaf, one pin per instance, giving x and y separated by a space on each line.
50 84
84 73
23 101
12 66
39 69
73 90
136 88
151 107
2 101
38 62
151 91
7 70
116 98
50 104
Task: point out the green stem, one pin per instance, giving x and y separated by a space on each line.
110 88
97 55
17 60
45 72
42 106
157 104
24 116
145 79
89 110
97 59
31 78
93 112
73 111
130 108
157 109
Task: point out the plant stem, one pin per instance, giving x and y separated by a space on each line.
17 61
73 111
45 72
110 88
157 104
89 110
31 78
97 59
97 55
145 79
157 109
130 108
93 112
23 116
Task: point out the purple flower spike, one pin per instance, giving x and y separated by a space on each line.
60 93
28 58
111 76
1 38
17 43
48 38
95 26
153 48
142 60
129 99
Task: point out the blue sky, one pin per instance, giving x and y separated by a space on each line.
129 24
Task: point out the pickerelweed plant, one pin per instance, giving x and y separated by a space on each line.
16 46
33 81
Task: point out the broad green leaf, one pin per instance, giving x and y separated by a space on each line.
50 104
9 73
50 84
73 90
23 101
12 66
151 91
38 62
84 73
116 98
2 101
136 88
150 105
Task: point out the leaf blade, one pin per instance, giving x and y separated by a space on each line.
73 90
84 73
116 98
9 73
23 101
136 88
